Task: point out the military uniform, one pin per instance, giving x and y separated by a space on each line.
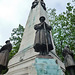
43 38
4 54
69 60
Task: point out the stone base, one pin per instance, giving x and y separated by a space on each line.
23 68
23 63
45 66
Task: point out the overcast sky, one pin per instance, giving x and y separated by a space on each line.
15 12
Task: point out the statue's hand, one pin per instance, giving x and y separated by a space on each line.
42 24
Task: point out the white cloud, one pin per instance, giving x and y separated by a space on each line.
12 13
15 12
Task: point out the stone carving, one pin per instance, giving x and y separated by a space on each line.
43 5
68 60
4 53
43 42
34 4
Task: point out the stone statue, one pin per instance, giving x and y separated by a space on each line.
43 42
34 4
4 53
43 4
68 60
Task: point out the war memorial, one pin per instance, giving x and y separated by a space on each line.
37 53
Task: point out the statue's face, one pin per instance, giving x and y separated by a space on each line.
42 20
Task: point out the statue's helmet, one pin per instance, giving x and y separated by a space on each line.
42 17
7 41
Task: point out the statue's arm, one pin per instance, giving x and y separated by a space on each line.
6 47
48 27
3 48
70 52
37 26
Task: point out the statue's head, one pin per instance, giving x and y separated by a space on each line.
8 41
67 46
42 19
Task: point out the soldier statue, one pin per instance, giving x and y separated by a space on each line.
34 4
4 53
43 42
69 60
43 4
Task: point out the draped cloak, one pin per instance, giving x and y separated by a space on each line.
42 37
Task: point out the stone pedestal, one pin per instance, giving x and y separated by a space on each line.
23 63
46 65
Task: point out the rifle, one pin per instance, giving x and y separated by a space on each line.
46 38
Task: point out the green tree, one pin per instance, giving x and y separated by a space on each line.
16 37
63 28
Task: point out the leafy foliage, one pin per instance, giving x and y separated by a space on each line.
16 37
63 28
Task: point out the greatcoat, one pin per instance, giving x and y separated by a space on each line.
4 54
68 58
42 37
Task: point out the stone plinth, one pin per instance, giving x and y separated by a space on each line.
47 66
